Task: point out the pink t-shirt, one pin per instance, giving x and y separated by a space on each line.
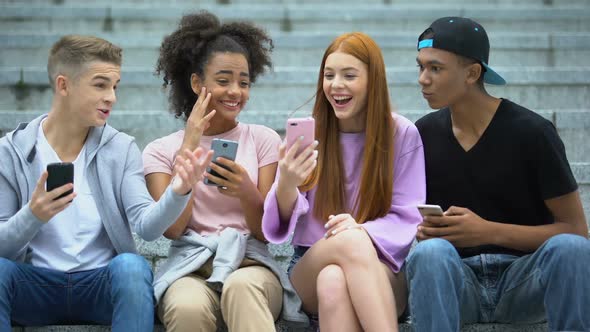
258 146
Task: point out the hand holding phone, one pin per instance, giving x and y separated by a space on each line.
60 174
297 128
221 148
430 210
44 203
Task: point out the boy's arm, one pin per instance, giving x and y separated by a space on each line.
148 219
18 226
464 228
569 218
157 183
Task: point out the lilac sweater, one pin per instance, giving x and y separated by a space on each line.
392 234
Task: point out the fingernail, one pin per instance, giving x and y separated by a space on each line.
326 225
334 232
301 138
326 235
315 143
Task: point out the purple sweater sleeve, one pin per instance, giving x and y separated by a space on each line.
275 230
394 233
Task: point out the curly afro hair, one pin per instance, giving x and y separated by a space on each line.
188 49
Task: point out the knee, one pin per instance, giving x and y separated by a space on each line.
353 247
567 248
7 267
331 287
240 285
187 311
131 276
251 285
432 254
8 270
130 266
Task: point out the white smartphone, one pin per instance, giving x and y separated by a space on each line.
297 127
430 210
221 148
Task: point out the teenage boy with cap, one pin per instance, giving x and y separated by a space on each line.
72 259
512 244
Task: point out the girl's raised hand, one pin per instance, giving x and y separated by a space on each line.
197 121
295 169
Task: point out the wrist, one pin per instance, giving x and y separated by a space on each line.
190 143
489 234
285 186
251 196
177 188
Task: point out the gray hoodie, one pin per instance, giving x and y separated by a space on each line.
115 175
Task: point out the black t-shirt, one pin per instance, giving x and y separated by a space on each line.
518 162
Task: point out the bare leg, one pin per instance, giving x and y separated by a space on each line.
334 304
366 280
399 289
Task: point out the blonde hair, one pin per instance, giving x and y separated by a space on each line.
376 181
69 54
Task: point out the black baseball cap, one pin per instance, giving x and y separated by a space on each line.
464 37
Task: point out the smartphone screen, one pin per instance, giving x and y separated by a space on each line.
60 174
298 127
221 148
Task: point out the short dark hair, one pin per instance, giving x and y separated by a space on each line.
71 52
188 50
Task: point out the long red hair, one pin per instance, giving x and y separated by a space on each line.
376 187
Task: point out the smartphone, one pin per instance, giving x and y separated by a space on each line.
60 174
221 148
430 210
297 127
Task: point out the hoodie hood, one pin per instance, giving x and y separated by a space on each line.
24 138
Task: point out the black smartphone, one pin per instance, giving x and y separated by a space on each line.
221 148
60 174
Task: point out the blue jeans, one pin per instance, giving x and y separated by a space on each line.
120 294
551 283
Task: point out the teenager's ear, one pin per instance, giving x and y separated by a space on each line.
61 85
196 83
474 72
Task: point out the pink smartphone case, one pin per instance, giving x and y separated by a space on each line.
297 127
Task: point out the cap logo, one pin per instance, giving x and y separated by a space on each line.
425 43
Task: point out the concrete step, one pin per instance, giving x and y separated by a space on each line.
536 87
573 125
280 327
301 49
65 3
412 18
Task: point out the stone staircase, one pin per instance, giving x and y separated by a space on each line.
541 47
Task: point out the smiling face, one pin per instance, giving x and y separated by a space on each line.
443 77
227 79
90 95
345 85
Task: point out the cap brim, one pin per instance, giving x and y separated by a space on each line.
491 77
